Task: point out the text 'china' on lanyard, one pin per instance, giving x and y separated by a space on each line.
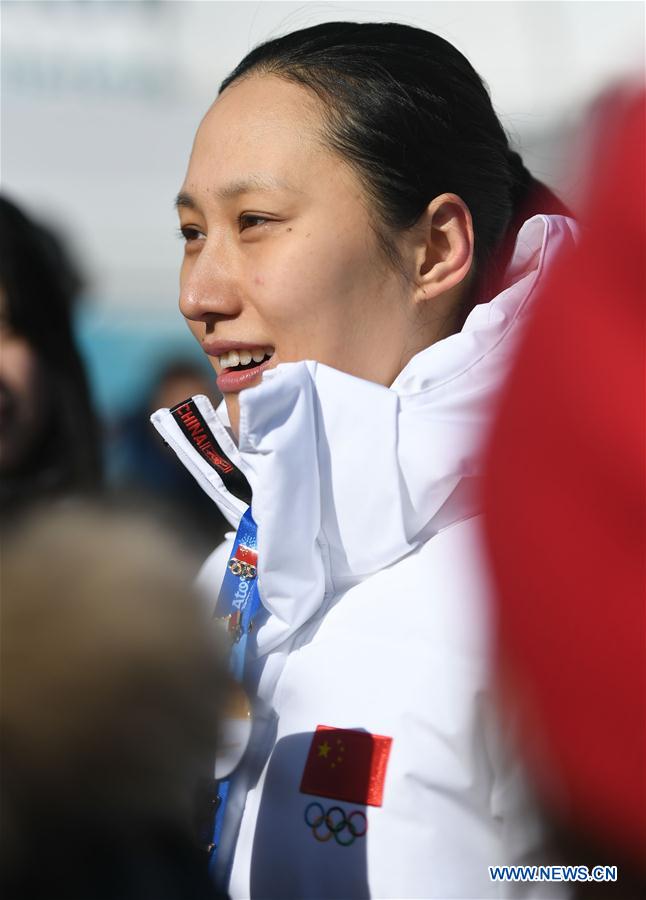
238 603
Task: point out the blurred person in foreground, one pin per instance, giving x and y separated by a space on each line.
566 516
49 438
112 690
142 466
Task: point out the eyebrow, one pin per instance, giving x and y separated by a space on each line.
236 187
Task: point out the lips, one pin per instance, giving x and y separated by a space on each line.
241 364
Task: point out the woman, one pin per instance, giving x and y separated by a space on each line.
49 441
350 198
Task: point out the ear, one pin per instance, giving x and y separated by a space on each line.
444 251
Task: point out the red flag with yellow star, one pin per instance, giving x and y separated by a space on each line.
348 765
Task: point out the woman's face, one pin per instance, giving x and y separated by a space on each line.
281 260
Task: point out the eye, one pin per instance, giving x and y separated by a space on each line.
248 220
188 233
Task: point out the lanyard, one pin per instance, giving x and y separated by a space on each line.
237 605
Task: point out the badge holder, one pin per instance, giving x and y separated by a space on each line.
235 732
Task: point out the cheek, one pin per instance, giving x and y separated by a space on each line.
29 398
19 370
317 278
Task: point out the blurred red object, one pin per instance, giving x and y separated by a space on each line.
566 510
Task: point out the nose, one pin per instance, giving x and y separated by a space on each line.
208 288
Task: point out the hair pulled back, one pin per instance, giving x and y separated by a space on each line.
412 116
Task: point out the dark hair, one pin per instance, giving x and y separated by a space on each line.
40 284
415 120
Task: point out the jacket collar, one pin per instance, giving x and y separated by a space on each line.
348 476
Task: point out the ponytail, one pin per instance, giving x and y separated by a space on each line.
529 197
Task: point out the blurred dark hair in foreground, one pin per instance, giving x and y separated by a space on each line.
112 688
49 439
566 516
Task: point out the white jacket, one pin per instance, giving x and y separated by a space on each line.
377 617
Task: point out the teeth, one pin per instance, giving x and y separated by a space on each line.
243 357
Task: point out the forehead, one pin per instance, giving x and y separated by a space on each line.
259 124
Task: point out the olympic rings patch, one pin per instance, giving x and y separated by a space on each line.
334 823
245 570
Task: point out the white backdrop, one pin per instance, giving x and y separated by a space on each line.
100 101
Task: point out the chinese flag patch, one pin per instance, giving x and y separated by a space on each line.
346 765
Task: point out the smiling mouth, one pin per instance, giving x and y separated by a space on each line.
241 360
